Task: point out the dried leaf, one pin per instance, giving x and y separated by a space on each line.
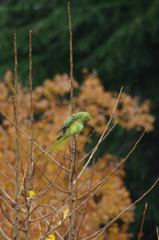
51 237
65 213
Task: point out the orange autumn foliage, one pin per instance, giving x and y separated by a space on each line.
51 105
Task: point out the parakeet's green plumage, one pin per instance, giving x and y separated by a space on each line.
73 125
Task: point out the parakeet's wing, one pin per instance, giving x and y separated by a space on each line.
68 122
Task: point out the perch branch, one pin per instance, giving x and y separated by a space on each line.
73 138
101 138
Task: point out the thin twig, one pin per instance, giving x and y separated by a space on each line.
86 140
73 139
102 230
76 186
16 225
102 136
40 229
30 177
24 186
42 150
71 60
42 237
157 233
32 114
49 225
7 177
3 235
64 163
142 224
7 196
23 180
65 200
3 211
46 188
98 186
38 219
1 199
103 181
68 229
51 183
91 180
11 166
95 146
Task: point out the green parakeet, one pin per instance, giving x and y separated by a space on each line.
73 125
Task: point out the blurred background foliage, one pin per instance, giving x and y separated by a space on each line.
51 106
118 38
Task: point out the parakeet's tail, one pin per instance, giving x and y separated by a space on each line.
59 144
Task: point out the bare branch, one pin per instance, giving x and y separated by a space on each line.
98 233
73 138
101 183
86 203
16 224
68 229
142 223
49 224
98 186
101 138
31 113
51 183
25 134
71 60
7 196
86 140
95 146
7 204
11 167
30 177
157 233
64 201
3 235
23 181
7 177
41 193
3 211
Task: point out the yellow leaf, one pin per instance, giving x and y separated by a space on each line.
51 237
65 212
31 193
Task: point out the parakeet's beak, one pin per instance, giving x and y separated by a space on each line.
85 121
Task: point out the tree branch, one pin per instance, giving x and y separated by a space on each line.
42 150
142 223
4 235
16 224
101 138
30 177
98 233
73 138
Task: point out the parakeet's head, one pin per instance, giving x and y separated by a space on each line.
85 116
